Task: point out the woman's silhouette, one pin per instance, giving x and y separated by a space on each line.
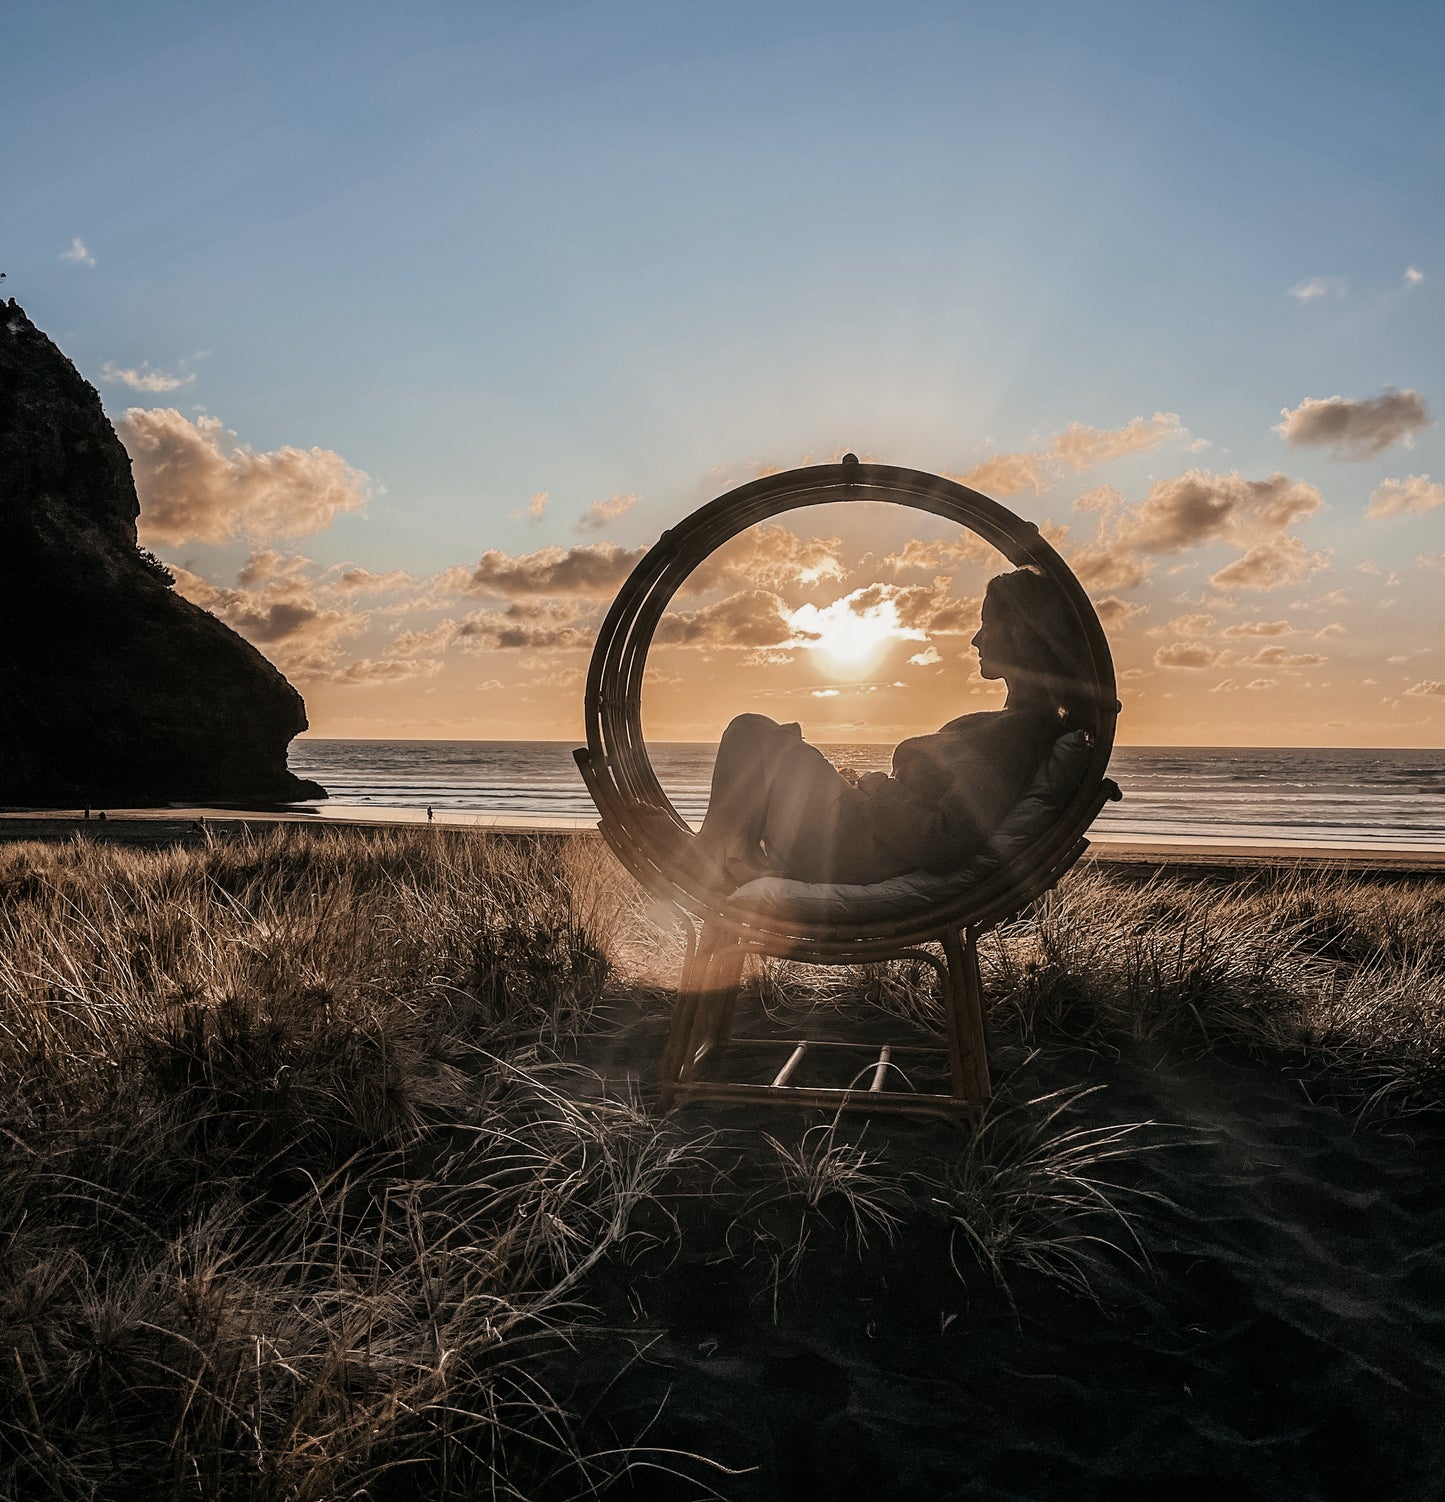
779 807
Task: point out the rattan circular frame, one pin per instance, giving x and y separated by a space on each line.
637 817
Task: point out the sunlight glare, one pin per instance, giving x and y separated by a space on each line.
849 634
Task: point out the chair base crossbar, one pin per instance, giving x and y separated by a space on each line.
700 1039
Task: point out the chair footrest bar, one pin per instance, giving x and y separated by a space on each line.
885 1102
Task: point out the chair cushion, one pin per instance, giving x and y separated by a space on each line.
839 903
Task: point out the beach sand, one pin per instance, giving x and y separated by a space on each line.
1270 1325
185 826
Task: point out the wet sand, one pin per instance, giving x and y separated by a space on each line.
159 826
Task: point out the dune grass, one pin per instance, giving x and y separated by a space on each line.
303 1191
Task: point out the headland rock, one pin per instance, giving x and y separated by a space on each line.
113 689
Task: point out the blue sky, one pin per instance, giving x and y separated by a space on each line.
484 252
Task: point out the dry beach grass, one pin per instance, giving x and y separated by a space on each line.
324 1175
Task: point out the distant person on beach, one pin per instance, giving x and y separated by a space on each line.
101 816
779 807
430 816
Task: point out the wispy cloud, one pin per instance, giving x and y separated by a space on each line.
536 507
1316 287
143 378
77 255
1078 447
600 513
1413 276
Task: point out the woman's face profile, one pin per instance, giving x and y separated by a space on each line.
989 642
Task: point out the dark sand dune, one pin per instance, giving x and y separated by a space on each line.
1288 1340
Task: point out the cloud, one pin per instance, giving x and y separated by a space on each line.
1430 560
143 379
1105 565
1355 430
1077 448
370 671
1104 499
1114 612
927 658
1226 686
859 624
1429 687
77 255
967 547
1191 625
1081 447
1259 628
1317 287
1198 507
536 507
920 610
353 578
752 618
422 643
772 556
592 569
197 484
269 565
1279 657
1413 276
1408 497
1262 683
525 624
600 513
1335 628
285 614
1270 565
1190 654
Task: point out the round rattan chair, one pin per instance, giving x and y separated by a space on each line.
645 831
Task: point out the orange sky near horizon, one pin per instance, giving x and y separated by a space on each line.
1232 620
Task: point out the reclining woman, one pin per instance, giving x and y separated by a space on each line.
779 807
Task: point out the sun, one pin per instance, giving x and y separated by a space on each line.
853 632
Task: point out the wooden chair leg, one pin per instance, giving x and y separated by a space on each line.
963 1006
703 1014
689 989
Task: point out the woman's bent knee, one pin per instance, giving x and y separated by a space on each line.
752 725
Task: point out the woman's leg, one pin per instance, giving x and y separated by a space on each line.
769 787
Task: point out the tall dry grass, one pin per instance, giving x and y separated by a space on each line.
292 1192
302 1191
1338 976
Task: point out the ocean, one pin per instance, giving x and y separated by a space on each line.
1364 799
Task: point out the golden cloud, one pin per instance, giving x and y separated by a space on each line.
602 513
1412 496
196 483
1190 654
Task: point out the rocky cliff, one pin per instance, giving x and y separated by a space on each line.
113 689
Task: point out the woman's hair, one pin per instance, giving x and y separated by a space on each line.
1045 645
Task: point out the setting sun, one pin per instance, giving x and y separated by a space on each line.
849 634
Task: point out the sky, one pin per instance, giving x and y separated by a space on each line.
422 323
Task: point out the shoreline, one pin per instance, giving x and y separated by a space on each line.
163 826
